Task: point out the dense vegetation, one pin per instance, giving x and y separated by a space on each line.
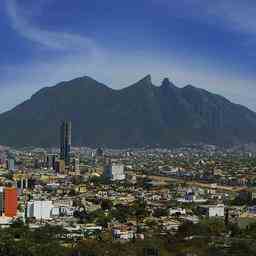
209 237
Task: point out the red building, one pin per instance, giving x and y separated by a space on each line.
10 202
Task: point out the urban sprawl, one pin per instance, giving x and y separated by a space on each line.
128 195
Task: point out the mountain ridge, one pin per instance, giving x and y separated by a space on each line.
138 115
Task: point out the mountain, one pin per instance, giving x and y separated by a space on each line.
139 115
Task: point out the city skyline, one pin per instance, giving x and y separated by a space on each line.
127 128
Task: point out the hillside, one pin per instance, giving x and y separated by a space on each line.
139 115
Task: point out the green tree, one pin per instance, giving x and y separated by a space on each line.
106 204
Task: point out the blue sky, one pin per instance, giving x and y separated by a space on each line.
210 44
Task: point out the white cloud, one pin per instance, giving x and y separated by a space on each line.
54 40
83 57
233 15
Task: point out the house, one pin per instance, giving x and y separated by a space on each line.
212 210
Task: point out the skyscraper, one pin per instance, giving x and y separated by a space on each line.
65 142
11 164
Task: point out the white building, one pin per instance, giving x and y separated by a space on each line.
180 211
123 234
11 164
114 171
213 210
41 210
55 212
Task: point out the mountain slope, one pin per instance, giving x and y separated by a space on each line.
139 115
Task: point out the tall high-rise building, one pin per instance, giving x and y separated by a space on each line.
11 164
10 202
114 171
65 142
50 162
76 164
